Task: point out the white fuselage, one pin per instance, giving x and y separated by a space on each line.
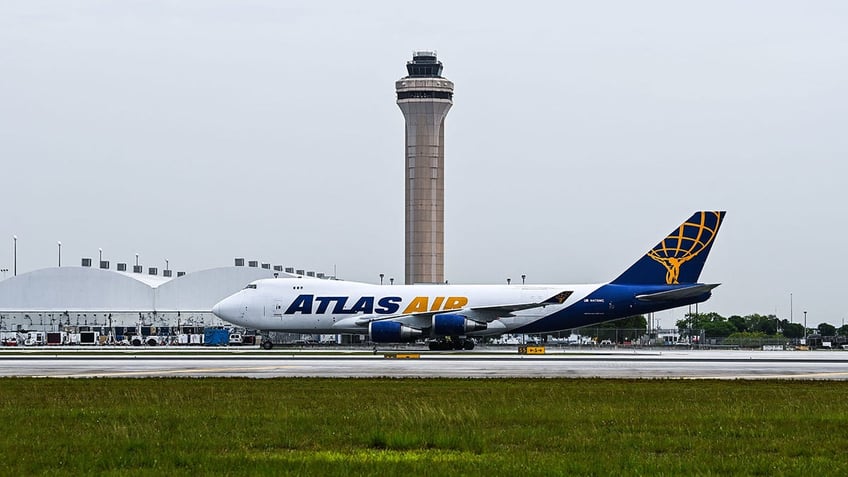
306 305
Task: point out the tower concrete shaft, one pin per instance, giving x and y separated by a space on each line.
425 98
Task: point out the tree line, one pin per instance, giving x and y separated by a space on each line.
715 325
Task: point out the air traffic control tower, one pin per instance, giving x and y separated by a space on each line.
425 98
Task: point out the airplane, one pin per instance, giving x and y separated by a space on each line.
452 316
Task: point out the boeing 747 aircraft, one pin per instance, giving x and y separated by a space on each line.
451 315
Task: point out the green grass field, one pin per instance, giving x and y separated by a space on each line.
422 427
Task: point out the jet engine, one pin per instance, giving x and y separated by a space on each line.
391 332
449 324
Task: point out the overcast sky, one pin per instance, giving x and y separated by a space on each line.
581 133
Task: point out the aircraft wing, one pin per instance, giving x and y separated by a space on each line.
678 293
482 314
491 313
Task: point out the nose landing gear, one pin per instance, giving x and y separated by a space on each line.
265 341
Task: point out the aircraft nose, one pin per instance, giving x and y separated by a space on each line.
228 309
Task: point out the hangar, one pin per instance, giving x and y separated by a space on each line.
85 298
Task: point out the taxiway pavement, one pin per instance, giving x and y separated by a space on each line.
673 364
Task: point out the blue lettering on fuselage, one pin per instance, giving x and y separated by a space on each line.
304 304
389 304
363 305
301 304
324 302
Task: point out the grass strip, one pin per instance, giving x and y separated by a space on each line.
304 426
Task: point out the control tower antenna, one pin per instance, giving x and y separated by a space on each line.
425 98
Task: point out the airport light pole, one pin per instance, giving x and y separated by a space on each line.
508 280
100 251
136 259
790 309
805 327
391 280
60 253
381 279
15 238
523 277
166 264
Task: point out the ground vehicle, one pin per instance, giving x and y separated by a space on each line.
35 338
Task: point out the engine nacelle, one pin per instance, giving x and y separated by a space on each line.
449 324
391 332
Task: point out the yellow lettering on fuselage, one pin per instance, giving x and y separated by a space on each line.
456 303
420 304
417 305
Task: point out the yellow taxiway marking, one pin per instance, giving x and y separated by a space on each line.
170 371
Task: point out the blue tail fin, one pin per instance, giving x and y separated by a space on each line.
678 258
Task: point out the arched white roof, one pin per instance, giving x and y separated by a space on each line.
93 289
201 290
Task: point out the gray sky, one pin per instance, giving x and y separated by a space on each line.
580 135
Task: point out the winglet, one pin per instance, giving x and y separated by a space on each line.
678 258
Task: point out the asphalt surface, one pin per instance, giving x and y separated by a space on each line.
253 363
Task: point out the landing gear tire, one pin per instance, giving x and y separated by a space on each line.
440 345
452 344
267 344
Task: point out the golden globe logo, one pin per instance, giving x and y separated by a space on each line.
685 244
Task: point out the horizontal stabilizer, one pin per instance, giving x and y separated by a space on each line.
678 293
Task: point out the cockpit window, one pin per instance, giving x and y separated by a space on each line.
252 285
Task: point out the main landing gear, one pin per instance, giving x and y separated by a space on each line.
451 343
265 341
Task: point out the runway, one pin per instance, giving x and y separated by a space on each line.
644 364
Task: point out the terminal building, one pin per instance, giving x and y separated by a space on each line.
117 302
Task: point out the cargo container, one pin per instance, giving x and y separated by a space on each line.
89 338
56 338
